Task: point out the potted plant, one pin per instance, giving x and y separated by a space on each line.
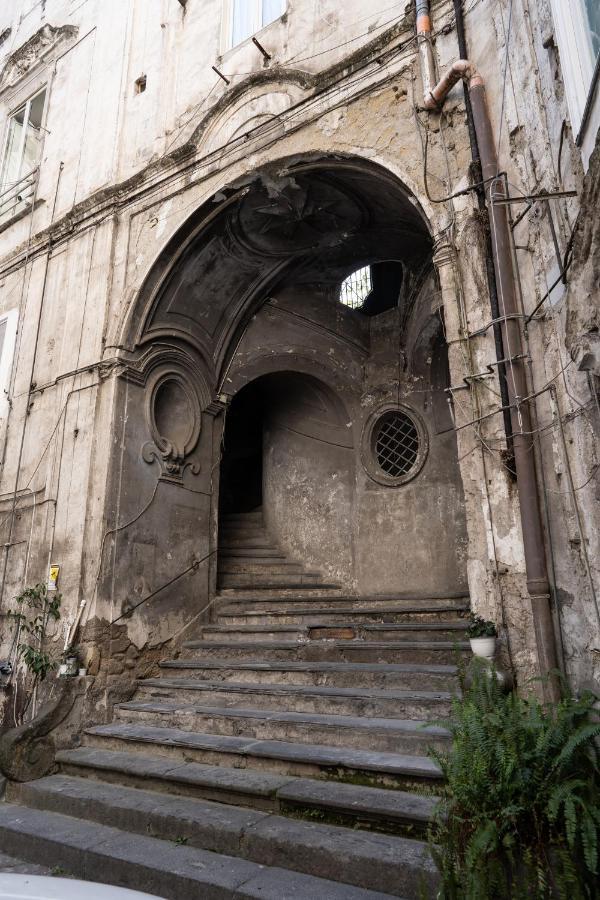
69 662
482 636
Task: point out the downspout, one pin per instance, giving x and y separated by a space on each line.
489 264
531 521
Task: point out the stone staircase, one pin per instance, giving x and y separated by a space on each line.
282 754
250 558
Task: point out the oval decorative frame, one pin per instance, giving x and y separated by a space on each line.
368 456
172 444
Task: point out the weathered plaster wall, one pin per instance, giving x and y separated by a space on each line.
78 285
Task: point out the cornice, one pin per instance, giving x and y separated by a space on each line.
26 57
180 163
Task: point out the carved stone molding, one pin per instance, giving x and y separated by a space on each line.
26 57
174 417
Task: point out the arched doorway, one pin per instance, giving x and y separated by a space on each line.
309 269
287 446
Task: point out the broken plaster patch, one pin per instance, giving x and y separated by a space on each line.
332 121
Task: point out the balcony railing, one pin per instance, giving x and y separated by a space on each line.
18 198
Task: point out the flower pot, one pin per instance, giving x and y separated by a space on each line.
483 646
71 665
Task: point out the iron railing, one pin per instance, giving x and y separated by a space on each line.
18 197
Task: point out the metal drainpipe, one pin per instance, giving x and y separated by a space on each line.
489 263
533 536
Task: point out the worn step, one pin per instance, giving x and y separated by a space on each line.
266 566
242 529
422 652
253 515
280 596
368 807
375 733
302 616
234 543
331 674
265 581
369 767
268 553
174 871
241 601
367 702
344 630
385 863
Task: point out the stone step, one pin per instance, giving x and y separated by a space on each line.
355 805
351 631
422 652
368 702
367 767
265 581
251 553
174 871
263 566
384 863
241 531
280 596
376 733
327 674
257 615
254 515
235 543
241 601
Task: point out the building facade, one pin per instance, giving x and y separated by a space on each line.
241 275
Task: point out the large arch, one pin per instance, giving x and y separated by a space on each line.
249 287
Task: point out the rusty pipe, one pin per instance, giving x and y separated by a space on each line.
424 43
538 585
461 70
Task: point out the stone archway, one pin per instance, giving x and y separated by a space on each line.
249 286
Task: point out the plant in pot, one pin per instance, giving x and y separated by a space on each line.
69 662
482 635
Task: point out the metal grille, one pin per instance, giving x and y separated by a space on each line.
356 288
396 444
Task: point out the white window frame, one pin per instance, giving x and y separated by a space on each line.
227 27
11 318
26 105
579 76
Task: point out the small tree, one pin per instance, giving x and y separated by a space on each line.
36 608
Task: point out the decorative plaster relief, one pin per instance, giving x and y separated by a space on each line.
174 419
31 52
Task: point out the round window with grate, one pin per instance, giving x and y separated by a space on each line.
394 445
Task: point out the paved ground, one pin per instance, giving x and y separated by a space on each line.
18 867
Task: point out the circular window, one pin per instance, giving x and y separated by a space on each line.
394 445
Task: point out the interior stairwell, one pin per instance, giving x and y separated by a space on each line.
282 753
250 558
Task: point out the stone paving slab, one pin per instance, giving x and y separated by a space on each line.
106 854
12 866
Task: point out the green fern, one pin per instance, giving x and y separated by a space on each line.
521 814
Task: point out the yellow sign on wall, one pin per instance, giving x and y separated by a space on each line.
53 578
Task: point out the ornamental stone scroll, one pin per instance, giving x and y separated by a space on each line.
174 418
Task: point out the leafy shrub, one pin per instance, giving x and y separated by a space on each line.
35 609
521 815
481 628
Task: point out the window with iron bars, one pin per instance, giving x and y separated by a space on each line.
356 288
